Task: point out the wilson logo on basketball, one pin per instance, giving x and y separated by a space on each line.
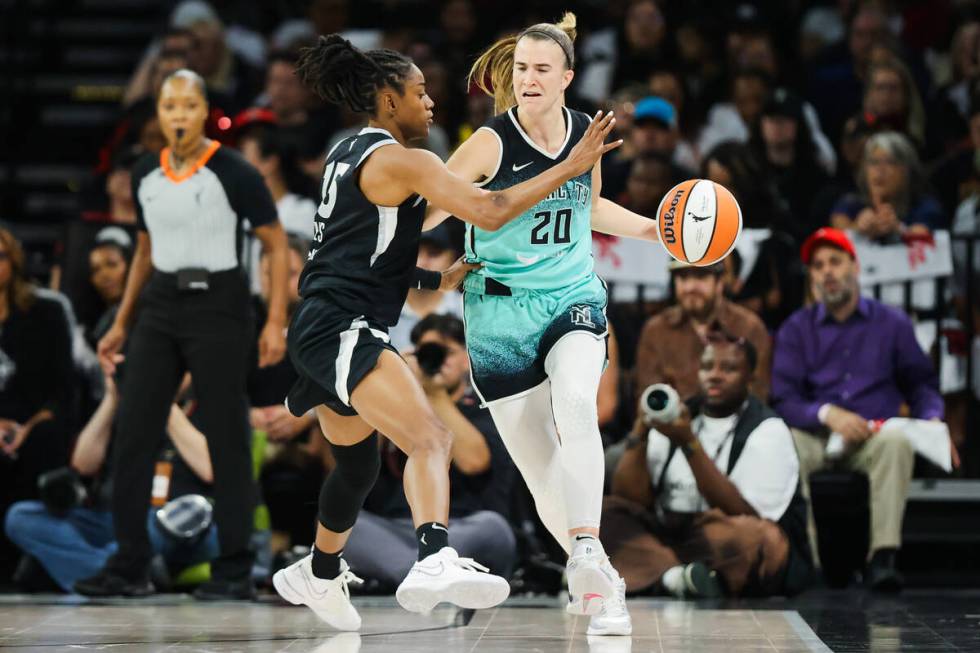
667 230
699 222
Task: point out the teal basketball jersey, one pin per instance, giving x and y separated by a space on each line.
549 246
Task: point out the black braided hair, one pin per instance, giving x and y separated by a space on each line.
339 73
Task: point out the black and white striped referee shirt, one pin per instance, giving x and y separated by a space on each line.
194 220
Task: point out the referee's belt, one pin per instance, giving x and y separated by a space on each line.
480 285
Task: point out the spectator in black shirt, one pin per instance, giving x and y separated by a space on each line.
784 145
108 262
382 545
35 391
957 176
773 286
653 132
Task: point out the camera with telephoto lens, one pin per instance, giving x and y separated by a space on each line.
431 356
661 403
61 490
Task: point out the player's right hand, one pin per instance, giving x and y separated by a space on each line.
109 347
453 277
593 144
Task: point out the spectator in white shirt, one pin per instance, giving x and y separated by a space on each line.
710 504
733 120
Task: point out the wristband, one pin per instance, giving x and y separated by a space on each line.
426 279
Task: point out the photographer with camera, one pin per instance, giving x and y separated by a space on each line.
706 499
69 531
382 545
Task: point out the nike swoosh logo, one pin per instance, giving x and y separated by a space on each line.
309 586
528 260
700 218
440 528
422 539
517 168
423 570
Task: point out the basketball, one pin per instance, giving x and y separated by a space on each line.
699 222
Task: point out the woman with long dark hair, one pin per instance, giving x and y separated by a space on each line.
35 384
357 276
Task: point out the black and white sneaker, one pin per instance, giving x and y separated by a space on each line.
329 599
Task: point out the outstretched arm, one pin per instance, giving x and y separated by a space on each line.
425 174
474 160
611 218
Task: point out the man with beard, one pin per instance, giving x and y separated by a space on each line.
841 362
710 504
672 341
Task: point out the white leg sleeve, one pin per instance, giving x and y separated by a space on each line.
527 429
574 366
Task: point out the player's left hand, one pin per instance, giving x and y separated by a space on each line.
272 345
453 277
679 431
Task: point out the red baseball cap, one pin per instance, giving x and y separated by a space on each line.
828 236
252 116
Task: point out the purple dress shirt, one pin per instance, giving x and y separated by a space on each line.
868 364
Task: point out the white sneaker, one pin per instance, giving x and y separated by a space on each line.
329 599
589 582
444 576
614 619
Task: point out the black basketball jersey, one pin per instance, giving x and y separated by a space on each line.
363 255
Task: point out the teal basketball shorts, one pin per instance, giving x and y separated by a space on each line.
509 331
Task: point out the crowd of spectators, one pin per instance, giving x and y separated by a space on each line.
823 117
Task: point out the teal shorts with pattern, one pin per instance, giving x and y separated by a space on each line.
508 338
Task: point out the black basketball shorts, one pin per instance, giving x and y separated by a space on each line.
332 351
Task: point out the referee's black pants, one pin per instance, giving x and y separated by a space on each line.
210 334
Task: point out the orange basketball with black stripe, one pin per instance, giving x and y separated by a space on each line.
699 222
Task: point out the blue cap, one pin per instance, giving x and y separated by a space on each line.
657 109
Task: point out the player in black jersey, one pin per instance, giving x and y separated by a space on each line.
361 264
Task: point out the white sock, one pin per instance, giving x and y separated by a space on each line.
574 366
673 580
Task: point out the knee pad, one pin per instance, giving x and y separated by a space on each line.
347 486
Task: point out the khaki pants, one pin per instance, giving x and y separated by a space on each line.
887 459
749 553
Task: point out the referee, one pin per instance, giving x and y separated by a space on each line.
194 315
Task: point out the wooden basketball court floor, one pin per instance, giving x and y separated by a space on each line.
178 623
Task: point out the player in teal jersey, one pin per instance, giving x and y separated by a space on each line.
535 311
